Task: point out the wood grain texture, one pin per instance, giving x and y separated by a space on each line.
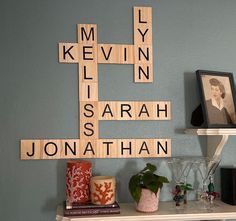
88 72
89 128
48 149
143 73
88 92
115 54
87 33
143 54
142 25
87 53
89 109
95 148
107 110
134 110
68 52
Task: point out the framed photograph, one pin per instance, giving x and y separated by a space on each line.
218 98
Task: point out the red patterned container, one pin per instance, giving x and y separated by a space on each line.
77 181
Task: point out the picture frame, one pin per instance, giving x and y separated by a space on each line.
217 93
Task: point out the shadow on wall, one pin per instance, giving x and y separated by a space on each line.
122 180
192 96
192 100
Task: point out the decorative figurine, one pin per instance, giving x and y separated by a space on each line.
185 187
178 195
211 187
211 191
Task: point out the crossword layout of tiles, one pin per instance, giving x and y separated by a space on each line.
87 53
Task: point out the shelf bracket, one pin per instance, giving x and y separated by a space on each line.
215 145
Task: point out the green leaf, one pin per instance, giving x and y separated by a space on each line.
148 177
163 179
153 187
160 185
150 182
151 167
186 186
135 188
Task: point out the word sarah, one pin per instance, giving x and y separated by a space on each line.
129 110
112 148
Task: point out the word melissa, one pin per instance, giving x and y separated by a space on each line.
87 53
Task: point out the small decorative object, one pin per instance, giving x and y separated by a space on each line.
211 187
181 167
206 168
218 98
185 187
178 195
145 188
211 191
103 190
77 181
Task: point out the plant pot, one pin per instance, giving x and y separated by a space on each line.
148 202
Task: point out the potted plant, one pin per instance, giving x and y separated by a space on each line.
145 188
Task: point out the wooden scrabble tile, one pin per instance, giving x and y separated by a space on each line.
87 33
163 147
125 110
144 110
107 148
88 148
162 110
87 53
89 129
88 91
115 54
143 54
144 148
142 25
143 73
88 72
29 149
107 110
88 110
68 52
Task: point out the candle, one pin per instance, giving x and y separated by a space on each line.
77 181
103 190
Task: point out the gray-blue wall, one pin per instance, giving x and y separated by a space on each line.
39 96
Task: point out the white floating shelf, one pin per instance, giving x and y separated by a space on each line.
194 210
212 131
